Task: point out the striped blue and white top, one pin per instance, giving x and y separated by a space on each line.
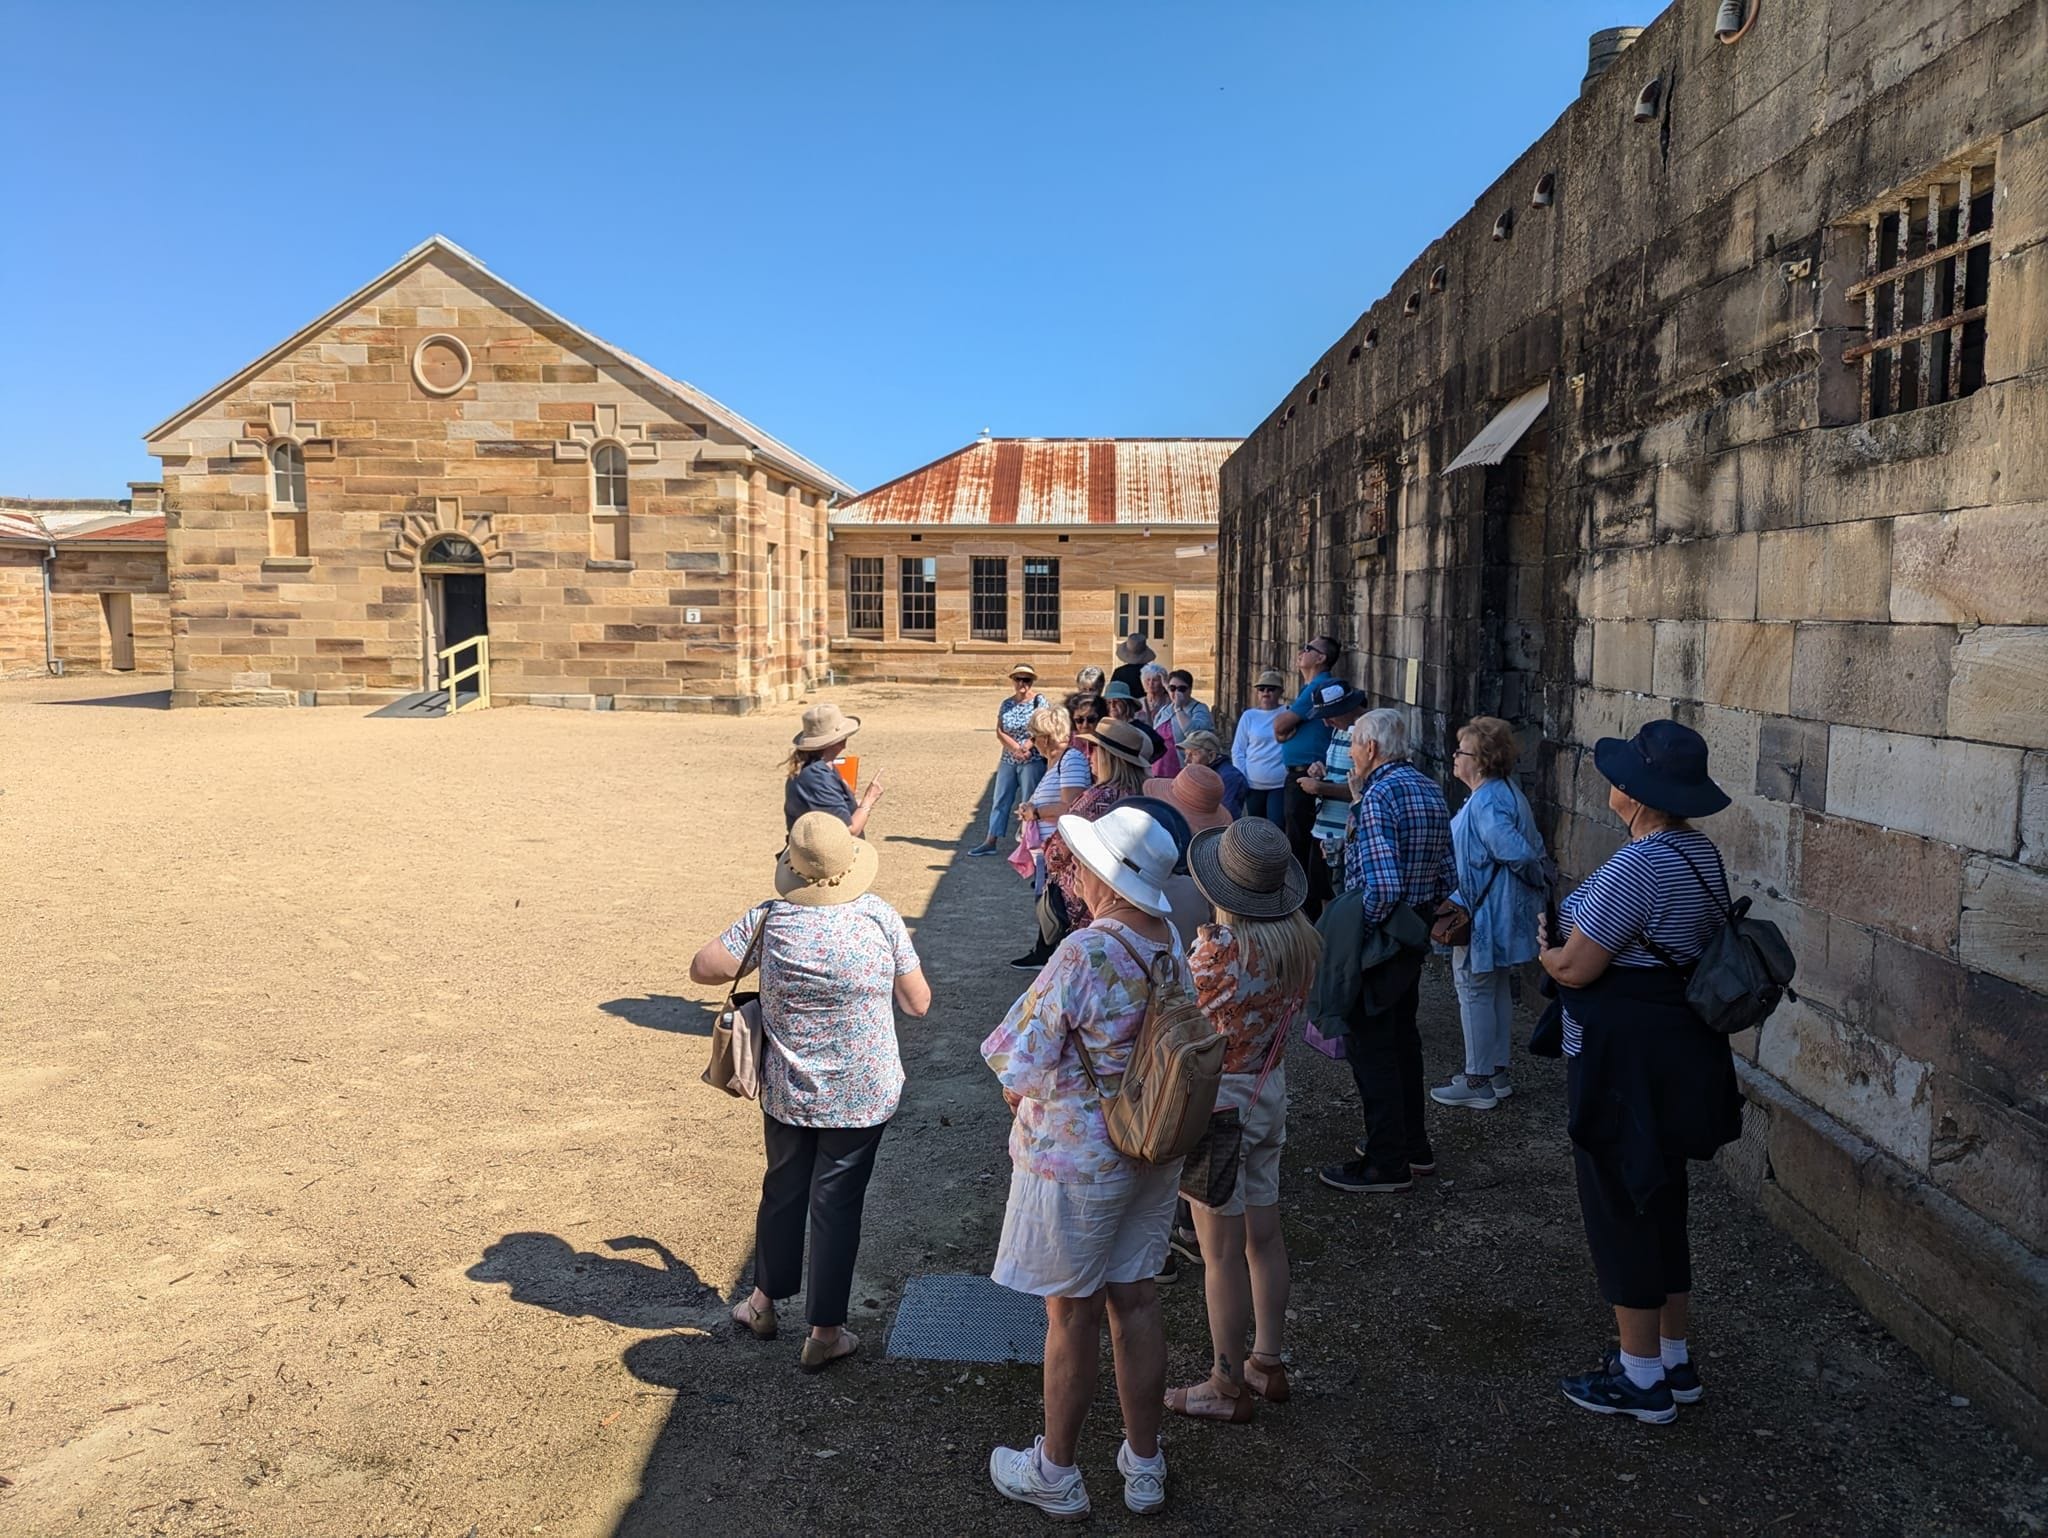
1647 888
1070 773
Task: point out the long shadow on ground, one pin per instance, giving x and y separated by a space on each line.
149 699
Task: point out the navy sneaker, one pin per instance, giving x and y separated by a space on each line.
1684 1379
1611 1393
1360 1178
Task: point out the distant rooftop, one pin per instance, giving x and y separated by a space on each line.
1054 482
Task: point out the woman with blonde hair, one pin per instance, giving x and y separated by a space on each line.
1252 969
814 783
1116 759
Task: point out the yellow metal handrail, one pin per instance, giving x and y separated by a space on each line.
480 670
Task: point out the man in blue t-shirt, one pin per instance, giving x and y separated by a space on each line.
1304 741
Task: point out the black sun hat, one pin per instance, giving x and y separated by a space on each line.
1664 766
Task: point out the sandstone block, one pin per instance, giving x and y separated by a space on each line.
2034 811
2005 921
1864 1082
1916 1001
1678 665
1789 563
1732 577
1963 793
2000 689
1895 677
1623 655
1992 1160
1856 571
1754 837
1749 666
1820 1166
1895 882
1792 762
1984 565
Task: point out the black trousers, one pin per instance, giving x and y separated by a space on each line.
1301 809
1385 1054
1641 1255
823 1171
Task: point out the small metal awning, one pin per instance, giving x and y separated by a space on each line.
1504 431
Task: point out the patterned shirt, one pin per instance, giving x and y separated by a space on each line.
1015 719
1061 868
1246 1007
1646 888
828 981
1092 989
1400 844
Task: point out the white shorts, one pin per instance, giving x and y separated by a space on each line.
1265 1134
1071 1240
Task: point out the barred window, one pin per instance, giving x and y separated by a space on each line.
917 612
990 595
1927 276
1041 598
863 595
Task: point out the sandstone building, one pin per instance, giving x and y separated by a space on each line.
440 456
83 587
1729 401
1044 550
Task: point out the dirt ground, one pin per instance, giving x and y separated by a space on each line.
357 1182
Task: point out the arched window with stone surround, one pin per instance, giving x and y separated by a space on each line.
288 536
610 504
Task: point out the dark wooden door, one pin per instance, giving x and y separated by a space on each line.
462 612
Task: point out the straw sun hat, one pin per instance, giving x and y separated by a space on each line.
1127 850
823 864
1120 739
824 724
1248 869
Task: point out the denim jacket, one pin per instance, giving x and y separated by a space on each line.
1495 839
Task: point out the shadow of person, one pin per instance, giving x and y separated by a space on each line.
548 1272
665 1012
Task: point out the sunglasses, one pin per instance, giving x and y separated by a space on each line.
1181 688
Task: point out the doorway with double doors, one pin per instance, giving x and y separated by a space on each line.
1147 612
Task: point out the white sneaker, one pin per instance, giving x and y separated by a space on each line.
1501 1087
1144 1485
1460 1092
1017 1472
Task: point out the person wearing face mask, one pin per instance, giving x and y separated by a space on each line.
1648 1085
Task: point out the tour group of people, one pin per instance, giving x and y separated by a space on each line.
1293 882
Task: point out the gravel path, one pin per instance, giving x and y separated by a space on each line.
357 1181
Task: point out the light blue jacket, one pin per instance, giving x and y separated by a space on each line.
1495 839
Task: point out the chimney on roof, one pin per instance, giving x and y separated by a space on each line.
984 438
1602 49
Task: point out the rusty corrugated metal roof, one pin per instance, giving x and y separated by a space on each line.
1054 481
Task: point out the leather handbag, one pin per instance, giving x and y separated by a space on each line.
1453 926
736 1036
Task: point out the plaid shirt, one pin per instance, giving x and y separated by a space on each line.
1399 849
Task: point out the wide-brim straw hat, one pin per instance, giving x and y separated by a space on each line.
1024 670
1120 739
1270 679
1134 648
823 864
824 724
1664 766
1198 791
1129 851
1248 869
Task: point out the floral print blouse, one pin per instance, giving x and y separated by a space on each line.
1246 1008
828 986
1061 868
1093 989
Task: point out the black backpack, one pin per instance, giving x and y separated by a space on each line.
1743 973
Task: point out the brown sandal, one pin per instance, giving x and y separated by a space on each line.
757 1322
1267 1379
817 1356
1219 1406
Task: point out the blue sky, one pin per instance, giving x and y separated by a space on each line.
873 228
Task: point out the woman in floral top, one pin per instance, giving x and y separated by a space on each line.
1252 969
1086 1228
1116 752
833 958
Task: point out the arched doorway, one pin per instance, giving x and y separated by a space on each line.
452 578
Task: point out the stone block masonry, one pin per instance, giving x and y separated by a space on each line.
1706 523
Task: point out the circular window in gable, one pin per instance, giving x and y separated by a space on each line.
441 365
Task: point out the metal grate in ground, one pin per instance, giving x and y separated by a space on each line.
967 1319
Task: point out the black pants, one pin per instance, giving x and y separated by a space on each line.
1301 809
823 1170
1641 1255
1385 1053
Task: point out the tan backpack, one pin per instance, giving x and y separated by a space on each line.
1162 1102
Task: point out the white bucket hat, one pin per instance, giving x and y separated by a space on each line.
1127 849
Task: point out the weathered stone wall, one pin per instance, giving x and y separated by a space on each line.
1094 563
1854 614
77 612
389 464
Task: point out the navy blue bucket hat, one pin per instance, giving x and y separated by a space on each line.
1338 698
1664 766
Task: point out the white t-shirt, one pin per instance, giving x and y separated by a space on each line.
1256 752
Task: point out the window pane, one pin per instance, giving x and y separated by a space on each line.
864 595
1041 599
989 599
917 595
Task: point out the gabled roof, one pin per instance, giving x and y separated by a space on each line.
439 245
116 528
1054 481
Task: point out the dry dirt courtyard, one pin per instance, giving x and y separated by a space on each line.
357 1181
